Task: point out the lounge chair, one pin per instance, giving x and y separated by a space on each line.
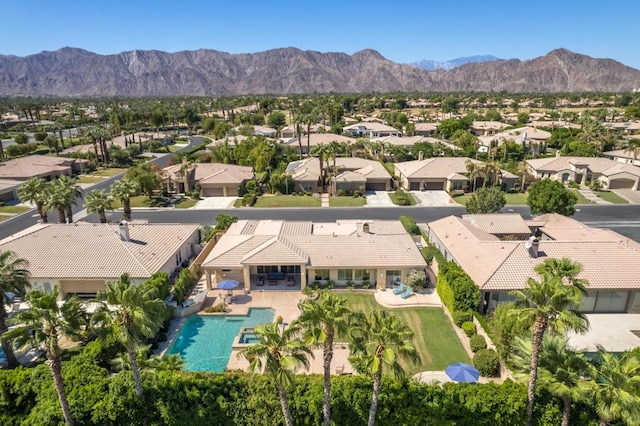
399 290
408 292
260 280
290 282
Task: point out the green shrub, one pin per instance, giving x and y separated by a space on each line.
487 362
366 284
477 343
429 252
409 224
469 328
456 289
184 284
342 193
401 198
460 317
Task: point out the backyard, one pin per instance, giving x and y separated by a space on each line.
435 339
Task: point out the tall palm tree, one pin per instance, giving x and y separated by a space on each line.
616 388
98 201
633 148
123 190
42 326
63 195
562 370
564 269
548 304
13 279
35 189
323 319
283 352
523 172
130 315
492 172
378 341
473 169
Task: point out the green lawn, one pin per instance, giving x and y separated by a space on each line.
347 202
412 200
5 217
581 199
435 339
612 197
108 172
174 148
516 199
186 203
143 201
287 201
90 179
14 209
390 167
237 203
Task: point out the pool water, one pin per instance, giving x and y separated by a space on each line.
249 338
205 341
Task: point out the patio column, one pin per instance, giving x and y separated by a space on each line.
207 273
224 190
303 277
246 274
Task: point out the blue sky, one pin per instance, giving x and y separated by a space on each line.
404 31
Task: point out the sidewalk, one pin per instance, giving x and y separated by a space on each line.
324 200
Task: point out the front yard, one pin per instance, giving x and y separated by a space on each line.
515 199
287 201
395 198
612 197
434 338
347 202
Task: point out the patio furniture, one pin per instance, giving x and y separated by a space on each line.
274 277
260 280
408 292
461 372
340 369
290 282
399 289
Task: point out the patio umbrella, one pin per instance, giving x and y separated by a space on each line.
228 284
460 372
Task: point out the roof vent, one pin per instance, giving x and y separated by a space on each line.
365 228
532 245
124 230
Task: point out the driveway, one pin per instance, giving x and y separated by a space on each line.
216 203
628 194
379 199
433 199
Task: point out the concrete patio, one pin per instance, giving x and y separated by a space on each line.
614 332
425 297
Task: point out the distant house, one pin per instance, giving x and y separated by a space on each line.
626 128
622 156
524 135
267 132
81 258
214 179
314 139
276 255
612 174
442 174
371 130
498 264
352 173
486 128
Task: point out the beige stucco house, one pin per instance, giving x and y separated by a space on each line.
352 173
371 129
486 128
498 264
41 166
612 174
624 156
215 179
81 258
274 254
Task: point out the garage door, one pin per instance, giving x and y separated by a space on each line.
376 186
212 192
434 186
621 184
414 186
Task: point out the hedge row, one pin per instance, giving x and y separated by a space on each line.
456 289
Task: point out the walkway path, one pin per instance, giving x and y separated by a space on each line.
591 196
324 200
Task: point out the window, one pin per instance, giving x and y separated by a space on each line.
394 276
308 186
267 269
636 301
565 177
321 275
612 301
457 186
345 274
362 275
290 269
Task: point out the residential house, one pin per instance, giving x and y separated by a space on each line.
276 254
214 179
42 166
486 128
314 139
610 262
267 132
622 156
626 128
532 137
81 258
443 174
371 129
351 174
611 174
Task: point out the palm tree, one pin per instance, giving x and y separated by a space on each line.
616 387
283 352
123 190
562 370
321 150
473 169
130 315
13 279
523 172
633 148
42 326
564 269
63 195
491 171
548 304
323 319
380 340
35 189
98 201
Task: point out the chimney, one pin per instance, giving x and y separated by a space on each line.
533 246
124 230
365 228
420 156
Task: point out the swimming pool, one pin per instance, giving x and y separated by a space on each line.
205 341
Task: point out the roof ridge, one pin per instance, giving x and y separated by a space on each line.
495 271
294 248
122 243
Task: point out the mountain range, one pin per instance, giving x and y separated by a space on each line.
77 72
430 65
